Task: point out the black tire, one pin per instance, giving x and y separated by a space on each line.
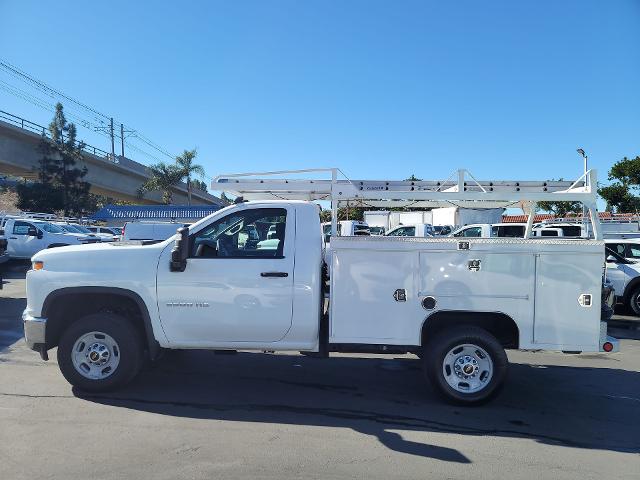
130 351
633 301
437 349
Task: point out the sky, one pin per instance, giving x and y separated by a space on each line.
381 89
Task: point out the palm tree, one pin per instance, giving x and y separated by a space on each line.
163 177
187 167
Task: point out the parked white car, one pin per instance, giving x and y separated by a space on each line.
26 237
79 231
346 228
628 248
417 230
150 230
488 230
4 255
624 276
112 233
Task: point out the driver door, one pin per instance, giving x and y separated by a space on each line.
238 282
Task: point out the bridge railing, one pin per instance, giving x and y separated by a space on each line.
44 131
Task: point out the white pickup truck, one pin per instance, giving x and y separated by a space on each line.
26 237
414 230
457 303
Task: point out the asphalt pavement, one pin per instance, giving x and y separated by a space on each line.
201 415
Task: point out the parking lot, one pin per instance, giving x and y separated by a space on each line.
204 415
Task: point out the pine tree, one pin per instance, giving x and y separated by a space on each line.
60 185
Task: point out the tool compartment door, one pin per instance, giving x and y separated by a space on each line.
563 317
480 281
363 307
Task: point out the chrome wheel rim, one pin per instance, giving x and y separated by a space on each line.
95 355
467 368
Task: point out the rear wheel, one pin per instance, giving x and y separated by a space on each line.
466 365
100 352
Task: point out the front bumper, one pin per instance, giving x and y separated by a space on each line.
35 333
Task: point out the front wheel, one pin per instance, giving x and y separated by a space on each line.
100 352
634 301
466 365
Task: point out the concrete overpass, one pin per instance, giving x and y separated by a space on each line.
117 177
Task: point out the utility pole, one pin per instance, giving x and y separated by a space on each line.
113 146
122 138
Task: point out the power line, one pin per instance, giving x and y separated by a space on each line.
43 86
98 124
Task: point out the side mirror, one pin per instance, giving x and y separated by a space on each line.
180 251
40 235
32 232
611 259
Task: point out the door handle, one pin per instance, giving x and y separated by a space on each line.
13 238
274 274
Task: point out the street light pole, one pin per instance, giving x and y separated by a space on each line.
585 157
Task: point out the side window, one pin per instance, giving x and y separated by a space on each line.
251 233
617 247
21 228
514 231
571 231
472 232
633 251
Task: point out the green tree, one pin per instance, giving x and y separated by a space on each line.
163 178
620 195
188 168
225 198
60 185
199 185
560 209
325 216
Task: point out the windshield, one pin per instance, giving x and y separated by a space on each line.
81 228
50 227
69 228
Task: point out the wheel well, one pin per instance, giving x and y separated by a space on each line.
497 324
64 308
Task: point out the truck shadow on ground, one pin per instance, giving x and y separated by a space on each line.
593 408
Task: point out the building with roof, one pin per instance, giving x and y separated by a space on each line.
118 215
577 217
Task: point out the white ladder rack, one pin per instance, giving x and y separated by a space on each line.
461 189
